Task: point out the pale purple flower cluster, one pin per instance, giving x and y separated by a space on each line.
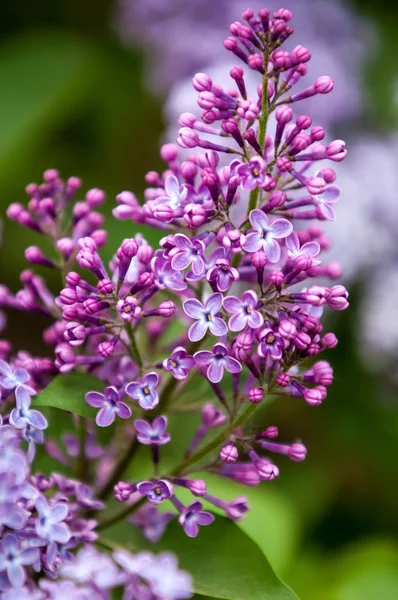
229 299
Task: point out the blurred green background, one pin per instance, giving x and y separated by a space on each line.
72 97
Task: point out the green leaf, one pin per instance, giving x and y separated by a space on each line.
67 392
225 563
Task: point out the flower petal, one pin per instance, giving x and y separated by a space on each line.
218 327
105 416
204 357
253 242
215 371
197 331
272 250
123 411
331 194
232 365
95 399
214 302
180 261
281 228
193 308
232 304
311 249
238 322
259 220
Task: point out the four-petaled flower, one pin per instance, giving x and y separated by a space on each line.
253 174
49 524
271 343
206 317
175 194
157 491
310 249
265 235
244 311
179 363
325 200
152 434
187 252
144 391
166 277
217 360
13 559
14 378
221 273
110 405
192 516
22 416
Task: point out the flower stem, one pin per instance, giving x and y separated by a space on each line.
135 353
264 97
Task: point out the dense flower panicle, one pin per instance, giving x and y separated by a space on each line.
230 297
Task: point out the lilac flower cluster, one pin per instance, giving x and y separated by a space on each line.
234 284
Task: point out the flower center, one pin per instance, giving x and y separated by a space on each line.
270 338
256 172
146 390
174 364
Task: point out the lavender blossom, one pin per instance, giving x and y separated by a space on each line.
110 405
206 315
145 391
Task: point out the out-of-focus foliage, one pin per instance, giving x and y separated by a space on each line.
73 98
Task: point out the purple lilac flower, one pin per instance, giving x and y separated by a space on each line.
175 195
151 521
157 491
50 525
23 416
145 391
152 434
265 235
271 344
217 360
244 311
13 559
206 317
310 249
109 404
192 516
166 277
179 363
93 568
253 174
188 252
324 201
14 378
221 273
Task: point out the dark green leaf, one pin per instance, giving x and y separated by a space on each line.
225 563
67 392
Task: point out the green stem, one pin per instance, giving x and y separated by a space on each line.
264 98
135 353
119 470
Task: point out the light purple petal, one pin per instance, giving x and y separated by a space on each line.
197 331
198 265
123 411
259 220
232 304
218 327
273 250
191 529
250 297
159 425
214 302
193 308
293 243
60 533
182 241
238 322
232 365
327 211
204 357
132 389
311 249
172 186
5 369
253 242
111 393
143 426
281 228
331 194
58 512
16 575
21 375
255 319
151 380
95 399
149 402
205 518
105 416
180 261
36 419
29 556
22 397
145 487
215 371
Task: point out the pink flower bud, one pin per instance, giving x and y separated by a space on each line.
297 452
163 212
283 379
324 84
255 395
229 453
